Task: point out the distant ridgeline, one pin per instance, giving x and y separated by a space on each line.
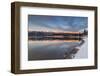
40 35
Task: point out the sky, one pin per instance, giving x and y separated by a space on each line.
56 23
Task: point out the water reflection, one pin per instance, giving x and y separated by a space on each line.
53 49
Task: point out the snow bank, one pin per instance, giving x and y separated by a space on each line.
83 52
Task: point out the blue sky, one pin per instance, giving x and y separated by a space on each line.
56 23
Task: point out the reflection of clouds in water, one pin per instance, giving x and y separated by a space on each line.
61 44
45 51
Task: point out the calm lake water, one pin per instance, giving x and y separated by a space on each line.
46 50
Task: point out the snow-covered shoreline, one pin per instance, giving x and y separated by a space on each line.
83 50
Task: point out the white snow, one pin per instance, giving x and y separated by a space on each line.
83 52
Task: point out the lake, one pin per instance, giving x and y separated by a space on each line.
51 50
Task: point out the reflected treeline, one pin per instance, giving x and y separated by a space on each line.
39 35
64 50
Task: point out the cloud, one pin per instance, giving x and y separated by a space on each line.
54 23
